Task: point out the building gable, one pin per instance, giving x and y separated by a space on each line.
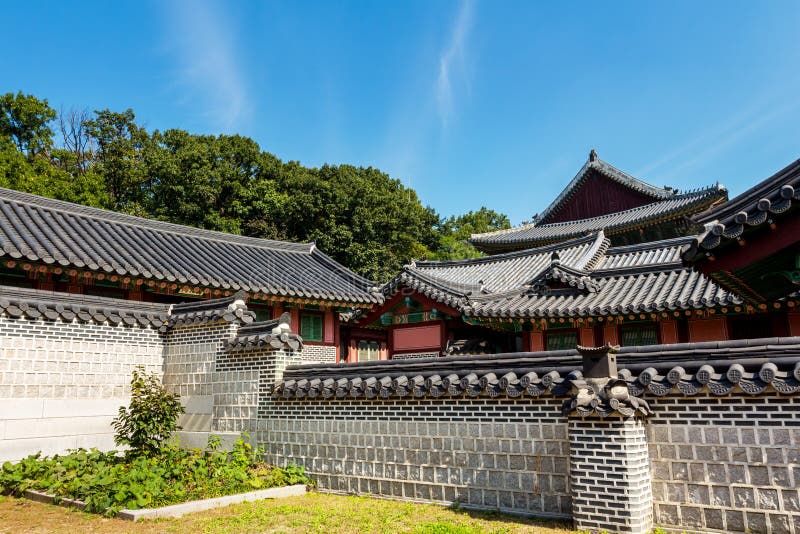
597 195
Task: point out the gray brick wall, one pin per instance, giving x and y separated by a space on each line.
318 354
610 475
61 383
726 463
415 355
498 454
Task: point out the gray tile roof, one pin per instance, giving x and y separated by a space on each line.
534 233
54 232
585 279
751 209
752 366
609 171
230 309
50 306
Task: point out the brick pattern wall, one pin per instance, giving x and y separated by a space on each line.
56 359
61 383
190 360
730 464
245 377
610 475
507 454
415 355
318 354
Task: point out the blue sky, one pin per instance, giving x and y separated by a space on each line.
469 102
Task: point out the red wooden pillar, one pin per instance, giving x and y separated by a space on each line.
537 341
708 330
793 318
610 334
669 332
526 341
586 337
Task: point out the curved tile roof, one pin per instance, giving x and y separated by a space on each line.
756 206
35 304
612 223
596 281
753 367
54 232
609 171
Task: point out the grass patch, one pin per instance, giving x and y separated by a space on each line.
312 513
108 481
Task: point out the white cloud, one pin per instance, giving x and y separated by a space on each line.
209 68
453 61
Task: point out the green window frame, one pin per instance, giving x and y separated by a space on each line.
368 351
311 326
560 340
638 335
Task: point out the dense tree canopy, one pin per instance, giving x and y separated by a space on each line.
360 216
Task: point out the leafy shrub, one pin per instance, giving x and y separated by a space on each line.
151 417
108 482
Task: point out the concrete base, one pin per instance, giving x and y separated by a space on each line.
178 510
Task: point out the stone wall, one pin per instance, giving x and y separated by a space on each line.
61 383
415 355
510 455
728 463
190 355
318 354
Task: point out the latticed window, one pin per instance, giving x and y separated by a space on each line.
311 326
561 340
638 335
368 351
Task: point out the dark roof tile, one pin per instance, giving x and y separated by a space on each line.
51 231
597 281
534 234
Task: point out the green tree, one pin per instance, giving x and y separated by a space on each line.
455 231
213 182
25 121
151 417
119 158
360 216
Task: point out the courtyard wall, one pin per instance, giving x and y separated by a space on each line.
715 445
63 381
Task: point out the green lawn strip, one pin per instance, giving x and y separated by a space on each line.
326 514
312 513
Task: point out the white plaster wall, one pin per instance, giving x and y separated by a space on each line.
61 384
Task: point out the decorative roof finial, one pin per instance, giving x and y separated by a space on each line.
593 155
555 259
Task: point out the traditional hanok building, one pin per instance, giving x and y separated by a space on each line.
57 246
602 197
752 246
614 284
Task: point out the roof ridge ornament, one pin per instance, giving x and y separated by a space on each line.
593 155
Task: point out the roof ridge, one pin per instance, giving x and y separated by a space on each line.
649 245
454 288
700 193
77 299
609 171
741 201
352 275
591 236
72 208
591 256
